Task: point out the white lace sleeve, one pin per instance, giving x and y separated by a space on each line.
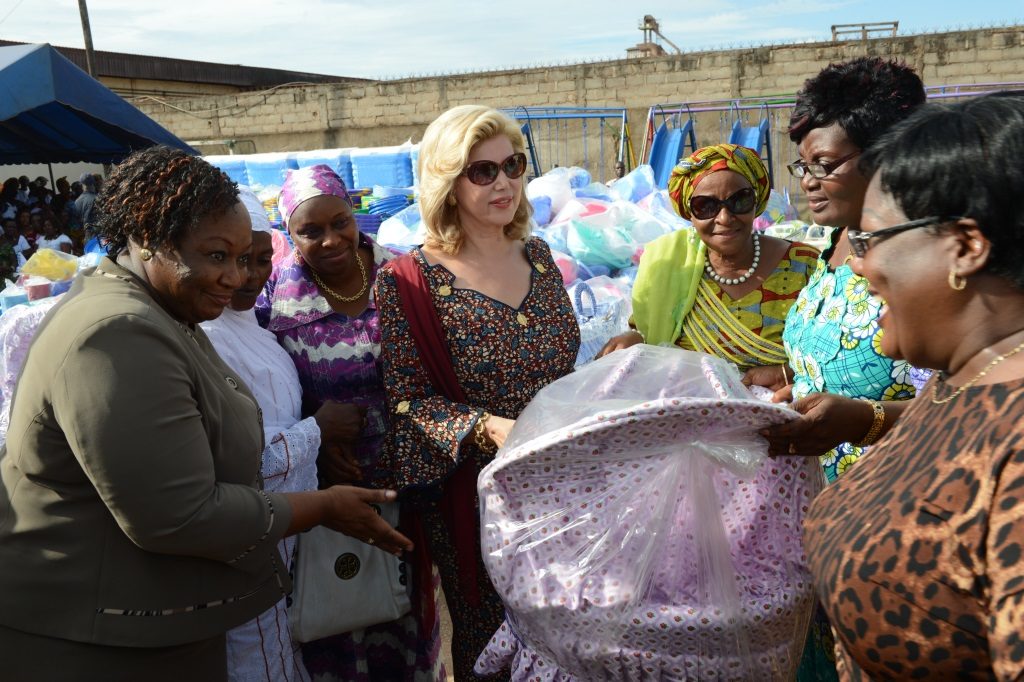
289 459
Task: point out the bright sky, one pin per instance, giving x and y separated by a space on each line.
396 38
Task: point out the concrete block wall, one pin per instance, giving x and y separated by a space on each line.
390 112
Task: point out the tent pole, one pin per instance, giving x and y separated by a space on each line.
90 60
53 186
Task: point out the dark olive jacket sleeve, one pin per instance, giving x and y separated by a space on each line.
131 512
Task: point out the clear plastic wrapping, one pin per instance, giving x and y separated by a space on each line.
636 529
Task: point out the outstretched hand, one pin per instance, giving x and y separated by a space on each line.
826 421
351 512
772 377
630 338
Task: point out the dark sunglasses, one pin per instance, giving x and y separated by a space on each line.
860 241
798 169
486 172
706 208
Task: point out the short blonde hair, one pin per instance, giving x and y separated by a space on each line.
444 153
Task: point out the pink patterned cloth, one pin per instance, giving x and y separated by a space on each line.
302 184
18 326
643 542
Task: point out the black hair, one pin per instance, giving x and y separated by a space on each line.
864 96
155 196
961 159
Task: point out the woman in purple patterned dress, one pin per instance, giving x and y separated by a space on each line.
320 305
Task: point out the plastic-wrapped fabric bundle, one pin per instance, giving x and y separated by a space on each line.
636 530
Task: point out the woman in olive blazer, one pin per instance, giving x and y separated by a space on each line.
133 529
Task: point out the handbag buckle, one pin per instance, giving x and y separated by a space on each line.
346 566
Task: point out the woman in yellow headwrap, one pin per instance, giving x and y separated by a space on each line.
719 288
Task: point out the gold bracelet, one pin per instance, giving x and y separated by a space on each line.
877 422
480 436
785 379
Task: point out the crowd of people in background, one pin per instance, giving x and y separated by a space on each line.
35 216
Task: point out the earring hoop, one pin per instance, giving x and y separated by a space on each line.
956 282
145 254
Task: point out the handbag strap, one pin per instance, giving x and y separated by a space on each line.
459 490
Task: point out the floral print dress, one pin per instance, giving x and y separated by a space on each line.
501 356
832 339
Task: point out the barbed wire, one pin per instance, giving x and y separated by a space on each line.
586 61
238 108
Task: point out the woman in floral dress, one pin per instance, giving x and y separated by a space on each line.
509 330
849 392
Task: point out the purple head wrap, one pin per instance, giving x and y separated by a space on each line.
302 184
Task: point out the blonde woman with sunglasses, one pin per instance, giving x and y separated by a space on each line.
720 288
505 330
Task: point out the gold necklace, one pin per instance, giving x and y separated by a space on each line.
976 378
335 294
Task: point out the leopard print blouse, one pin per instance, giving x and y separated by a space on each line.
916 551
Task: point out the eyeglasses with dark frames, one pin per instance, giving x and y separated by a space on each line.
860 241
798 169
486 172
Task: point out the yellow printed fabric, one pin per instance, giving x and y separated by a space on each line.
748 330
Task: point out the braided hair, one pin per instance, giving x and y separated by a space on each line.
865 96
156 195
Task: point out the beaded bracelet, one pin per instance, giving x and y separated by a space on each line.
877 422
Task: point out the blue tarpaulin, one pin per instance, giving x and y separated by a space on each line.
53 112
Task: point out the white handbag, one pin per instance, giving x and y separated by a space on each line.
343 584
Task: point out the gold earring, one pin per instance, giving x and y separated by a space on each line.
145 254
452 200
956 282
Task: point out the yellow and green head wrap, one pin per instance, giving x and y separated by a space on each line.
694 168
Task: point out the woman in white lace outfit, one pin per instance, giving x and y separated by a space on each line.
262 649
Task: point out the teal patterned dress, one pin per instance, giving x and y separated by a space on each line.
832 340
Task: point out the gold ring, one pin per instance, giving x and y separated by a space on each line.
792 449
369 541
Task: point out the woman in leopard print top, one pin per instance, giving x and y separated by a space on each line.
922 574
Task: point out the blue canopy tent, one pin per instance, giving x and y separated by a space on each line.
53 112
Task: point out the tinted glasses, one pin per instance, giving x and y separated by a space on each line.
860 241
798 169
738 203
486 172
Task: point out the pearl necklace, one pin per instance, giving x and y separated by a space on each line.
742 278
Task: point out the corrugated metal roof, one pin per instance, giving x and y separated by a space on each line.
122 65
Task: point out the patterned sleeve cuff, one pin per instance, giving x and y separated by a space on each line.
278 517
